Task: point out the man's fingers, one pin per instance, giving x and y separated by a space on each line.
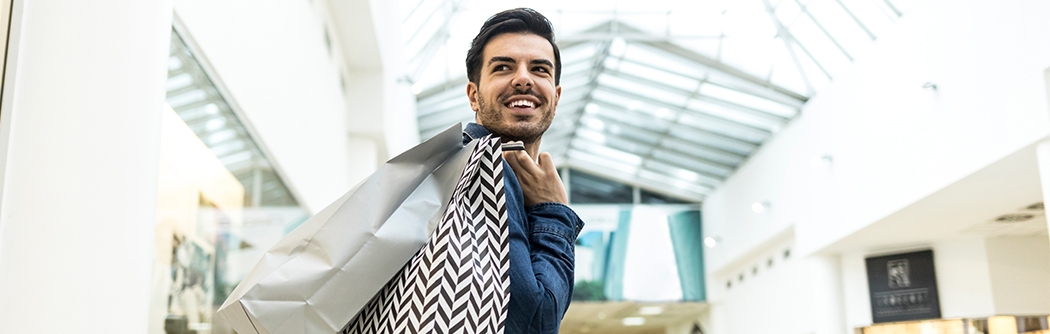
512 160
547 163
526 163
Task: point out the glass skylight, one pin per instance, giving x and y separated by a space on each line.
659 94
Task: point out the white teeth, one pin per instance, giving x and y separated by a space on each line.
522 103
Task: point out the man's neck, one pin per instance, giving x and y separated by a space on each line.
533 149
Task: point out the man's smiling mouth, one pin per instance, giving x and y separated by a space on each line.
521 104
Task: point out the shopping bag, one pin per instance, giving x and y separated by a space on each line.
317 277
459 282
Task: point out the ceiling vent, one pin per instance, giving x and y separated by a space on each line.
1036 206
1015 217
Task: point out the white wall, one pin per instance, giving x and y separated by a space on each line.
82 113
382 109
893 142
1020 274
977 277
271 56
778 299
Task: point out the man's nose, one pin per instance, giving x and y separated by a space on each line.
522 79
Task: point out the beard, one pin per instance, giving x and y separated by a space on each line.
527 129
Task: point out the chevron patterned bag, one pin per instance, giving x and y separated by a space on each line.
459 281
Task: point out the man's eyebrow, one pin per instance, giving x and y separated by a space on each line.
542 62
501 59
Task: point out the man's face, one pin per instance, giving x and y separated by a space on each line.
515 96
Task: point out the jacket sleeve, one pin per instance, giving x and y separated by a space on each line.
553 229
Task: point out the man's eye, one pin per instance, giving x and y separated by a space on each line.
542 69
501 68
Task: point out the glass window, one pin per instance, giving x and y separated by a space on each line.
590 189
221 202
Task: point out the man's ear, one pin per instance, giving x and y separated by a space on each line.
472 95
557 97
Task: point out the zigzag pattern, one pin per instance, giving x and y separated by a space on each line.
459 282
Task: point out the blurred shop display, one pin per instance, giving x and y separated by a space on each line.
992 325
221 203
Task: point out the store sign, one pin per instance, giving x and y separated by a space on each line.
903 287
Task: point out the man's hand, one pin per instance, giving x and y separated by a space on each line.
540 182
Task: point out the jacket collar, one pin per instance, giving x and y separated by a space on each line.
475 131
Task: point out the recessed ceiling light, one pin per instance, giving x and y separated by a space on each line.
710 242
758 207
823 161
634 105
633 321
651 310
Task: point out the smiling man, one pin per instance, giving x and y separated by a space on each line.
514 69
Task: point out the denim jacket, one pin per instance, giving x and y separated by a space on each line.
542 255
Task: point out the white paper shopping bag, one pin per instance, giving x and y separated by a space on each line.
324 271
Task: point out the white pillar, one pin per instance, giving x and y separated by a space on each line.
82 113
828 304
1043 156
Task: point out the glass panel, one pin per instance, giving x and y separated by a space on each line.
221 205
715 154
704 81
602 162
751 55
819 45
846 31
648 197
747 100
590 189
686 162
740 132
718 109
664 77
736 147
673 182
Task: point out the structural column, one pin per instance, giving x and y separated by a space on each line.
80 144
828 303
1043 157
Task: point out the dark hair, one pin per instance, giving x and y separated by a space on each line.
518 20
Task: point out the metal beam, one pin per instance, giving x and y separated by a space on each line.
748 87
823 30
730 124
789 45
596 36
714 100
671 126
651 186
856 20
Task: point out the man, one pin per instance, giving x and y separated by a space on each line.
514 69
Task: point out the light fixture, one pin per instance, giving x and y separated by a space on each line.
591 108
634 105
633 321
650 310
417 88
711 242
664 113
823 161
760 207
